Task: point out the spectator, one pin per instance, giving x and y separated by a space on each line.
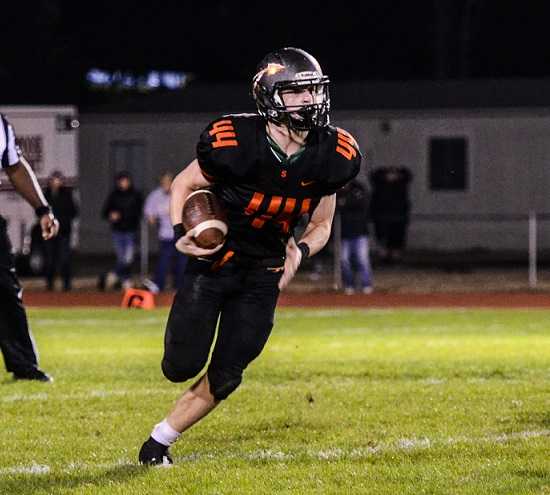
157 212
353 205
58 249
122 210
390 209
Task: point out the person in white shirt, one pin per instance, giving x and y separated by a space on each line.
157 212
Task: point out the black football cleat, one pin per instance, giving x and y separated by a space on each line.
32 374
153 453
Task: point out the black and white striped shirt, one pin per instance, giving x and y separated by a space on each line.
9 152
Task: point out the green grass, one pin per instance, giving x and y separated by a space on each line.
340 402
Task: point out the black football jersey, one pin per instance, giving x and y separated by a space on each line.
264 193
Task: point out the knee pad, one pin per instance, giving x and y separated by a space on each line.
178 374
223 382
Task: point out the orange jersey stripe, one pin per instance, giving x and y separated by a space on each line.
221 123
226 257
290 203
222 144
346 136
221 140
274 205
254 204
258 223
346 144
305 206
348 153
227 134
222 128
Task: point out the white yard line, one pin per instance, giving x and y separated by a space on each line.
32 469
330 454
92 394
103 322
287 312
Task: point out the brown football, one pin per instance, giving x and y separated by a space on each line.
203 212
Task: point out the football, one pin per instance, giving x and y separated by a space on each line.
204 214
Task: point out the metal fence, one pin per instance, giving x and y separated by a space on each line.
329 259
531 221
333 249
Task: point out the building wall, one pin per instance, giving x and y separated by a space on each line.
508 157
509 174
167 143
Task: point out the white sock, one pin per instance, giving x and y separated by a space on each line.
163 433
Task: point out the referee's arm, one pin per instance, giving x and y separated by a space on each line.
24 181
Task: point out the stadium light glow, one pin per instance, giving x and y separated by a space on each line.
99 79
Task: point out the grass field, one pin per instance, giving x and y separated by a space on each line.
340 402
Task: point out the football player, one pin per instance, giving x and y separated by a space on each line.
269 170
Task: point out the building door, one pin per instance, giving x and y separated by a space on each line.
130 155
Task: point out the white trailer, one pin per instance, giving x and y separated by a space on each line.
48 137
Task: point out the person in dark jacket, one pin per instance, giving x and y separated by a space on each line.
390 210
58 249
353 205
122 210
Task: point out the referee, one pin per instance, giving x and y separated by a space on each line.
16 342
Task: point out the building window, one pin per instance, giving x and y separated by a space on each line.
448 164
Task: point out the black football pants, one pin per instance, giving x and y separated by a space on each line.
244 300
15 339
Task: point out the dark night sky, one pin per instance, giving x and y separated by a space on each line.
48 45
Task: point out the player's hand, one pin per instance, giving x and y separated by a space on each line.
292 262
49 226
188 246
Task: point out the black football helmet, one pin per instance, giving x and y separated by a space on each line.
291 69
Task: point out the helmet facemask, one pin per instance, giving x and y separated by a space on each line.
301 117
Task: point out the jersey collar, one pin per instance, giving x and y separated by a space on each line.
281 156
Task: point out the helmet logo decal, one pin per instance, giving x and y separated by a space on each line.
270 70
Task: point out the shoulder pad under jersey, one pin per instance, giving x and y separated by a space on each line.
343 158
226 147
